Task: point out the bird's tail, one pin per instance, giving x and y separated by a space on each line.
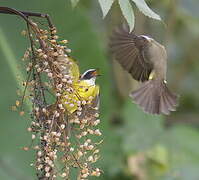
155 98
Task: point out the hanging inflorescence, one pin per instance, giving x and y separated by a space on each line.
64 141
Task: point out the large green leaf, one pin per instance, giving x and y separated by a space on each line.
141 131
12 62
127 11
173 152
144 8
182 143
105 6
74 2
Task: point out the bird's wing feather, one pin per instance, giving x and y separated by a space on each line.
68 66
74 70
128 49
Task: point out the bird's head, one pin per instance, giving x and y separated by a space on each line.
148 38
90 75
152 41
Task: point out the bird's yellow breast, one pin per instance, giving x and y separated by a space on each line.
81 91
85 90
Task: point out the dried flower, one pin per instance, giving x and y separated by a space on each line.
56 126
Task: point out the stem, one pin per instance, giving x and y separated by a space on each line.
7 10
14 11
25 15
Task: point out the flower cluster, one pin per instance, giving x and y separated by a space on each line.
62 138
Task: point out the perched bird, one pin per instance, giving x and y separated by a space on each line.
146 60
83 88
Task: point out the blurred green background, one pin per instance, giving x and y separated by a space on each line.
136 146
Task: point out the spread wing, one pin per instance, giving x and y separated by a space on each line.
129 50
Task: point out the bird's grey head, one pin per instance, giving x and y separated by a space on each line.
151 40
155 49
147 37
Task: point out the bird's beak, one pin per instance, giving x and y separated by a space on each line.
96 73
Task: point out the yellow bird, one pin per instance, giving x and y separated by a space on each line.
83 88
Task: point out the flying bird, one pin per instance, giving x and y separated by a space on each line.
146 60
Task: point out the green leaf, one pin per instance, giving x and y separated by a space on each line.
159 154
127 12
12 62
74 3
141 131
182 143
105 6
144 8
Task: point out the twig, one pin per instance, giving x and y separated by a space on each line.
25 15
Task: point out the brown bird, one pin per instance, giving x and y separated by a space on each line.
146 60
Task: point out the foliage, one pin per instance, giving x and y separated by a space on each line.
136 146
126 8
127 12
